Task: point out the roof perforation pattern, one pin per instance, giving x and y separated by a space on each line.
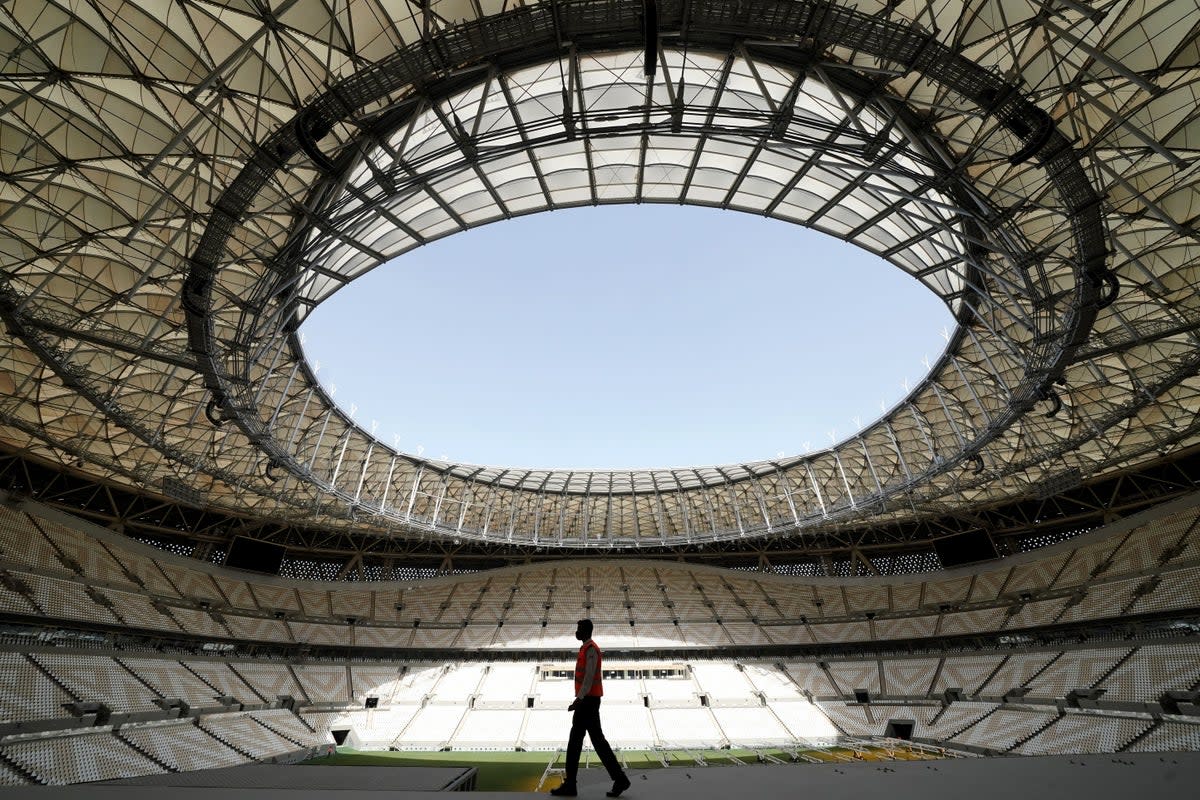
122 130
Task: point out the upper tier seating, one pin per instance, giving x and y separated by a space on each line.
910 677
1074 669
324 683
83 573
223 679
100 679
371 680
171 679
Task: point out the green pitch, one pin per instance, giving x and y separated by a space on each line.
508 771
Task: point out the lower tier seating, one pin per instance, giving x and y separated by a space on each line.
78 758
246 734
424 705
181 745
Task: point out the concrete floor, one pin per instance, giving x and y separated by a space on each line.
1140 776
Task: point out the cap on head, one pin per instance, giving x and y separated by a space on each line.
583 630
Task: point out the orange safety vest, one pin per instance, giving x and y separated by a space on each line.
597 689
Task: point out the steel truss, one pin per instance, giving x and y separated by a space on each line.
172 211
329 554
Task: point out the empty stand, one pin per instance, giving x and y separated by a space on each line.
723 683
245 734
1177 588
668 692
458 683
378 681
1169 736
270 681
9 777
1015 672
811 678
490 729
751 725
375 727
79 758
1075 669
324 683
431 727
321 633
853 720
771 681
62 570
289 726
26 692
559 693
546 729
138 611
171 679
180 745
63 573
99 679
263 629
851 675
1002 729
954 719
908 677
224 680
1153 670
687 727
1085 733
65 599
198 622
22 543
628 726
966 672
506 685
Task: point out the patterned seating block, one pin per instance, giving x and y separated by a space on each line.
79 758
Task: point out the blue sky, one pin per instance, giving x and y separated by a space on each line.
625 336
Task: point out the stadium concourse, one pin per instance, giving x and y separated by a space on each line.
205 563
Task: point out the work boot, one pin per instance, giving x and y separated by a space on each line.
566 790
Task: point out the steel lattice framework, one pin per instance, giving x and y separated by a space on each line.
182 184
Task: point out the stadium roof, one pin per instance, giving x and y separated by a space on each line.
184 180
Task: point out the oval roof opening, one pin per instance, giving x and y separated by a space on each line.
626 337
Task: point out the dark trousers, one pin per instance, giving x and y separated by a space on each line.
586 719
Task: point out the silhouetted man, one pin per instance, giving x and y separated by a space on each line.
588 691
